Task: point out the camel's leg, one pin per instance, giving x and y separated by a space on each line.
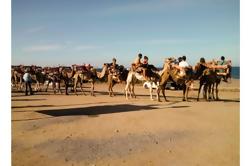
205 91
109 90
126 91
187 90
59 88
128 81
54 86
164 95
213 91
66 87
158 97
75 85
47 86
133 92
151 92
92 88
209 92
130 90
198 97
184 92
81 87
217 91
112 88
37 86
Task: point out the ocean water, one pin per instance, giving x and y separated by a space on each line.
236 72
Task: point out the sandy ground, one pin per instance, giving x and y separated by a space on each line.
84 130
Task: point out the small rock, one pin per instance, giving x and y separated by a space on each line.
66 159
156 142
130 149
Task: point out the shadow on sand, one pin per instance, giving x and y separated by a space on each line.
96 110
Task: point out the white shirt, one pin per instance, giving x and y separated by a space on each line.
183 64
27 77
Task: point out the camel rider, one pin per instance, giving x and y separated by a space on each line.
147 68
136 65
223 71
113 67
137 61
183 63
181 66
145 65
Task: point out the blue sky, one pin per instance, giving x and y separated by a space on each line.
52 32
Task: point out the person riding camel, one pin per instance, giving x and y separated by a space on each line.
182 66
225 70
148 69
136 65
113 67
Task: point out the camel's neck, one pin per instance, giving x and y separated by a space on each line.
102 74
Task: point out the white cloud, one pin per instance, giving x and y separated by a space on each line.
45 47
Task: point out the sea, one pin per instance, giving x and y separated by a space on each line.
236 72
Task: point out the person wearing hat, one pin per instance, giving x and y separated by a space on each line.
27 80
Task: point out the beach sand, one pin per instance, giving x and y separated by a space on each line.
82 130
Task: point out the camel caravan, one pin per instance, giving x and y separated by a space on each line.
208 74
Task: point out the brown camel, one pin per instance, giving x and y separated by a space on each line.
66 74
17 73
82 75
113 77
209 78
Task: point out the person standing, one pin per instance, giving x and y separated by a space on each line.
27 80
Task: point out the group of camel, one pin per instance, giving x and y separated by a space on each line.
76 75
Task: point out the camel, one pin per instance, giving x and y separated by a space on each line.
113 78
37 76
66 74
184 80
173 73
133 76
17 73
210 79
52 75
83 74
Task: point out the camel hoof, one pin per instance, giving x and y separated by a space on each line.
166 100
183 99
